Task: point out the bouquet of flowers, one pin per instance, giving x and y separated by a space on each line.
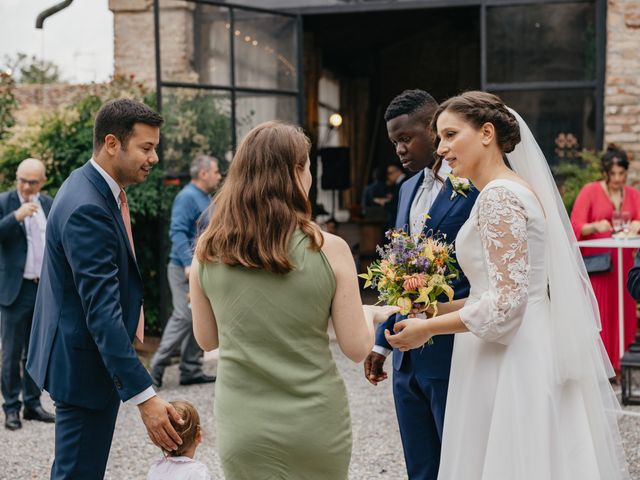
413 271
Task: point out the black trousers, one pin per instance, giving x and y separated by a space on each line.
15 330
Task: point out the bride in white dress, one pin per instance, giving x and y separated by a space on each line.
529 396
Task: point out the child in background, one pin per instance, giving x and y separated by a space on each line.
179 464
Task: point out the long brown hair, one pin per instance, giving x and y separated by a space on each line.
261 203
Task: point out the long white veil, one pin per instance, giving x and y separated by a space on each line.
580 361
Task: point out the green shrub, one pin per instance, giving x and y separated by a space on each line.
7 103
63 140
572 175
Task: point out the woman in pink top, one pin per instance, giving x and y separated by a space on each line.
593 217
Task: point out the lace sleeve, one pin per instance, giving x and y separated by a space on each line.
502 224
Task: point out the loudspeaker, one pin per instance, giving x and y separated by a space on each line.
335 168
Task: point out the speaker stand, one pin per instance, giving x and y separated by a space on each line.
333 204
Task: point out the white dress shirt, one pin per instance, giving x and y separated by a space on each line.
445 169
178 468
115 189
31 269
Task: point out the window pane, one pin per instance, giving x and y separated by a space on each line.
194 44
211 39
556 117
196 121
551 42
265 51
252 109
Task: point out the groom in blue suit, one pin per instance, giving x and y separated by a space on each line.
420 376
89 300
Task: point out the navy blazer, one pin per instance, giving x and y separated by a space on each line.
13 245
447 215
89 299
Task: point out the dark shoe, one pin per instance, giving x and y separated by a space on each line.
39 414
199 379
12 421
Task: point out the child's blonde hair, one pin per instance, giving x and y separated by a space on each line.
188 431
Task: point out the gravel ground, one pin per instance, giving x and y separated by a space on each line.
28 453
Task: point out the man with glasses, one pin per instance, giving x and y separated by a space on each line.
23 218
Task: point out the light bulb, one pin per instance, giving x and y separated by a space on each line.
335 120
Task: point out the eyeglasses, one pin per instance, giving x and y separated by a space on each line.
31 183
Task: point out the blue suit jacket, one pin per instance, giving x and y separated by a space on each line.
13 245
89 299
446 217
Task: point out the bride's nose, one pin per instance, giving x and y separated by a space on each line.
442 149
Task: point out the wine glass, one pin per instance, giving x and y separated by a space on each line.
626 222
616 222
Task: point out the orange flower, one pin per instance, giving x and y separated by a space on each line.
415 281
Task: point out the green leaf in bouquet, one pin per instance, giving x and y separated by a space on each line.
448 291
405 305
423 296
367 276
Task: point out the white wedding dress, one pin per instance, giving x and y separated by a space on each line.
508 416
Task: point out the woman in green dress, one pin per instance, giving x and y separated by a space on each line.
264 283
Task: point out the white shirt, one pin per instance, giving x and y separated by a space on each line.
178 468
113 185
444 170
115 189
31 270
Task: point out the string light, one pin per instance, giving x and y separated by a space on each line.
289 68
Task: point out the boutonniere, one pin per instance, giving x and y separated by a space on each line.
460 186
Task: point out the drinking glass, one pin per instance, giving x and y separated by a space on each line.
616 222
626 222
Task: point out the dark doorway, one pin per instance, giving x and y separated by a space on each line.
376 55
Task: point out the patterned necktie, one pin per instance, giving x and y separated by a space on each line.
421 203
126 217
35 235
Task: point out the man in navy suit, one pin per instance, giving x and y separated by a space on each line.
23 218
421 376
89 301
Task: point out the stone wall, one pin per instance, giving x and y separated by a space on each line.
36 100
622 84
134 40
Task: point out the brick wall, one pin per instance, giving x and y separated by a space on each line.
35 100
134 42
622 84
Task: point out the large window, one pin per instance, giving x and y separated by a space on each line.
222 70
546 61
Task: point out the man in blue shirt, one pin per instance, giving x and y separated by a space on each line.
187 209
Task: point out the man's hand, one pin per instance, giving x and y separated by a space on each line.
187 271
27 209
155 414
373 368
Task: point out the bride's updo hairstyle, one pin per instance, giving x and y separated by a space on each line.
261 203
478 108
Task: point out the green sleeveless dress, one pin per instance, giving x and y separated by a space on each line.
280 405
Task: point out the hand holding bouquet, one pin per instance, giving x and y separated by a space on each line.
413 271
